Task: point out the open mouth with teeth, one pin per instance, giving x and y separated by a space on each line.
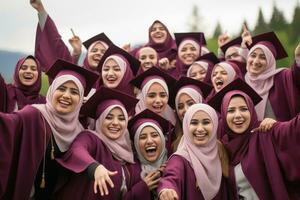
151 151
28 76
147 65
200 136
219 83
157 108
64 104
238 124
114 130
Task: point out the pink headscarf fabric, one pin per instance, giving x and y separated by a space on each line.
263 82
86 62
228 68
141 105
121 147
194 94
203 159
126 74
202 64
65 128
189 41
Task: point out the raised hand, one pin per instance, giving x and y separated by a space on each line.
164 63
76 44
168 194
152 180
38 5
102 177
265 125
246 36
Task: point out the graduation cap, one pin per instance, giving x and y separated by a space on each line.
100 37
211 57
197 36
153 71
186 81
235 42
148 116
86 77
270 40
113 50
103 94
237 84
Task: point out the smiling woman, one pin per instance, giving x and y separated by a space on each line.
26 86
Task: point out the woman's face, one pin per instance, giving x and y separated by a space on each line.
200 128
188 54
238 115
28 72
257 62
66 98
156 98
197 72
147 57
111 74
219 78
114 124
158 33
150 143
184 102
95 55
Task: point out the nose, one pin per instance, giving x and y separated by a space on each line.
149 140
110 72
158 99
237 114
200 127
115 121
66 94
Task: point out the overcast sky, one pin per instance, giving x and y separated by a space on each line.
126 20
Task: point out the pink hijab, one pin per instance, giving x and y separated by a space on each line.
203 159
189 90
264 81
121 147
168 113
65 128
200 63
86 62
126 74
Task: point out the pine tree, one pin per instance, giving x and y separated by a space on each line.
294 28
261 25
278 21
218 30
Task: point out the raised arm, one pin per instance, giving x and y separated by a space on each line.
48 45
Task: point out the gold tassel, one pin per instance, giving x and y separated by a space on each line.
43 183
52 153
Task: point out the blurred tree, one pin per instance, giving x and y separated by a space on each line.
278 21
218 30
261 25
195 22
294 27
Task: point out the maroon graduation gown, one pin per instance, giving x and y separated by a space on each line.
271 161
49 46
180 176
24 138
284 96
85 150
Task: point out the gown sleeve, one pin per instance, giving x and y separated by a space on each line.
286 139
173 176
138 188
3 95
49 45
